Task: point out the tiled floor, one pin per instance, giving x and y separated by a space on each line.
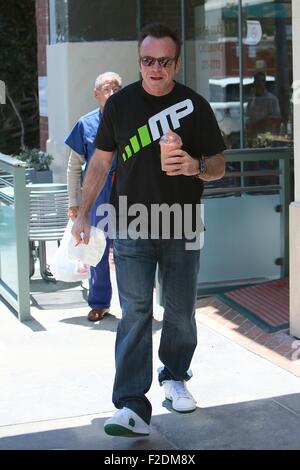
279 348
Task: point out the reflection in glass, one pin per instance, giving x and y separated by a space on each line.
8 251
262 111
92 20
267 60
213 67
212 61
62 21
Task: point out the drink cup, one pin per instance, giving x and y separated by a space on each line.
168 142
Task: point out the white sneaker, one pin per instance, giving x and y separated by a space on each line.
182 400
126 423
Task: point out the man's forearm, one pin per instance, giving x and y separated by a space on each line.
215 167
93 183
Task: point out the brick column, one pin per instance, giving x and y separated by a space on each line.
41 9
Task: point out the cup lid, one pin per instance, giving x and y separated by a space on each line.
170 138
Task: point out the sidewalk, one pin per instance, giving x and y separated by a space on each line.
57 376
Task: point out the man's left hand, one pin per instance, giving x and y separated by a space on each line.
179 162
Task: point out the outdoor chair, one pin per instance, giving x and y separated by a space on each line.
48 206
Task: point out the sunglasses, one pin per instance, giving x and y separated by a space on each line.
147 61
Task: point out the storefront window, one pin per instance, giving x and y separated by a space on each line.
94 20
267 67
59 24
212 62
261 78
250 92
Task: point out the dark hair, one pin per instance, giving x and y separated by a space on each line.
160 30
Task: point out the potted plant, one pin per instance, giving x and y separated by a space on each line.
38 163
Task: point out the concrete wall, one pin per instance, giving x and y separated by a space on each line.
72 69
295 206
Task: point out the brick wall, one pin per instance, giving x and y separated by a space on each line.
43 132
41 8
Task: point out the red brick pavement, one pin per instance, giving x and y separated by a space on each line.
279 347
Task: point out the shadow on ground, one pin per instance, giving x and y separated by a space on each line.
55 295
108 323
271 423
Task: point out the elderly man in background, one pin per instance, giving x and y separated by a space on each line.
81 142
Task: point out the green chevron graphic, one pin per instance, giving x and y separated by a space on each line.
144 135
135 144
128 151
141 140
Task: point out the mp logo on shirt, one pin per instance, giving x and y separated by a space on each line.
175 113
158 125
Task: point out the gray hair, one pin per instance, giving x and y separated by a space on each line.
107 76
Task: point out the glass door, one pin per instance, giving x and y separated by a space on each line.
239 57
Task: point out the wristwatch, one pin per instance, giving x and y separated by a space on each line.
202 167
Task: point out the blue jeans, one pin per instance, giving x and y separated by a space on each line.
136 262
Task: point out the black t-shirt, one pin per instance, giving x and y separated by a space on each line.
133 122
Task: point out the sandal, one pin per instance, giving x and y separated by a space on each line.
97 314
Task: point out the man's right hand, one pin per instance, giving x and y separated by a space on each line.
81 230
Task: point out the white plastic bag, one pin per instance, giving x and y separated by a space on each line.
63 267
91 253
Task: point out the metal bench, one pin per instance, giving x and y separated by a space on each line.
48 206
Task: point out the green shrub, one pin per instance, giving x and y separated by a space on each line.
35 158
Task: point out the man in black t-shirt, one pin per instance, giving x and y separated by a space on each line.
134 120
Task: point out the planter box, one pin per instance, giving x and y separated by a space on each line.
37 177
